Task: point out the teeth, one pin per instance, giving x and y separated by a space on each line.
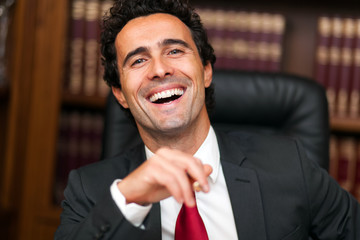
166 94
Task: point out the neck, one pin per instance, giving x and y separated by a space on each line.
188 140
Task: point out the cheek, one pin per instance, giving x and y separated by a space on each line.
131 84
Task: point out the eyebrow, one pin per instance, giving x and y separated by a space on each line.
163 43
171 41
133 53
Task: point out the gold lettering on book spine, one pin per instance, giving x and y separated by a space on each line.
78 9
322 52
324 26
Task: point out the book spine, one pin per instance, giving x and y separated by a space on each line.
347 163
212 21
240 47
73 139
85 139
334 60
276 43
346 67
322 50
229 40
355 89
76 47
91 47
90 139
253 40
264 42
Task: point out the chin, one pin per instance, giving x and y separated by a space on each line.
172 127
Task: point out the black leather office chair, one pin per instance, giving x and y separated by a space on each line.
247 101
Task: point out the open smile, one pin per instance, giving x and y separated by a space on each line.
166 96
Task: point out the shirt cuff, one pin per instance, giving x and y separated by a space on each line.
133 212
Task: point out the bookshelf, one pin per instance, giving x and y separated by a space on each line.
33 103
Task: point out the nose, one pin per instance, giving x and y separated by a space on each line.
159 69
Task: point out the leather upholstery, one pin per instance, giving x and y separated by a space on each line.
269 103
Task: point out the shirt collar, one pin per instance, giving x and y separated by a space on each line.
208 153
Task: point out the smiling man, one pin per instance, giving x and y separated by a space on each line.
158 63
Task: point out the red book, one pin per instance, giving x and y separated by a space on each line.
76 57
345 67
322 51
91 47
355 89
347 163
334 62
276 43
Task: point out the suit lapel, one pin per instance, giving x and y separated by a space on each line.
244 190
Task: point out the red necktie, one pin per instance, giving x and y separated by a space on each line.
189 225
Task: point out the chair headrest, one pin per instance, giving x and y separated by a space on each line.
274 103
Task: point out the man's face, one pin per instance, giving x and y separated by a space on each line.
162 76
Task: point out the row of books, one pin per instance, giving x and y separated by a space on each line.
345 162
85 73
245 40
337 64
242 40
79 144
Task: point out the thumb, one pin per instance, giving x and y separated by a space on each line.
207 169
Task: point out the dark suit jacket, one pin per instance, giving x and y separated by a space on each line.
276 193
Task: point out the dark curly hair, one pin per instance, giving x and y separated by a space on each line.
125 10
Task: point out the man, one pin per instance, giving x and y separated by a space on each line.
159 63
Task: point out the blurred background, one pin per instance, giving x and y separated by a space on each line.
52 96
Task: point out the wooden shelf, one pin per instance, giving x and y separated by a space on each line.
345 124
96 102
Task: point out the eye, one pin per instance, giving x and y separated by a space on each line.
175 51
138 61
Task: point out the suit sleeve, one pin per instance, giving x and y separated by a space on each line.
84 219
335 213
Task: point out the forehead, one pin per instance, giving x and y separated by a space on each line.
148 30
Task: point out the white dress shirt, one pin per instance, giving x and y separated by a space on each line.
214 207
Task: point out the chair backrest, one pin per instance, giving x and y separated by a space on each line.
269 103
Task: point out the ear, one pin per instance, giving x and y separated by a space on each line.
208 73
119 95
